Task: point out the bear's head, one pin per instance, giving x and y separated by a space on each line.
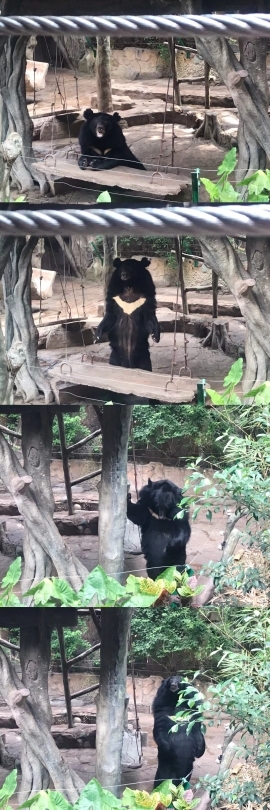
175 684
101 124
129 270
162 497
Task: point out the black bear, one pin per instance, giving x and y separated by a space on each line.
130 314
176 750
163 538
103 144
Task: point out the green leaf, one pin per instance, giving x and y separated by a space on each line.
8 788
228 193
100 587
94 797
52 592
217 399
260 394
104 197
211 189
235 373
48 800
229 163
13 574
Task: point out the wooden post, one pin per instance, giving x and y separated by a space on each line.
215 294
64 665
206 86
64 453
176 87
115 624
178 251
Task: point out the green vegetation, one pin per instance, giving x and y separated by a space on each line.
181 433
256 187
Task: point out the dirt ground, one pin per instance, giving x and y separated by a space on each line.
204 544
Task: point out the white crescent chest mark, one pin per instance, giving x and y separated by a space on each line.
127 306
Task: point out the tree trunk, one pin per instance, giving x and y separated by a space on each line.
15 116
105 104
21 332
44 547
252 295
247 82
113 495
115 624
28 702
103 75
109 253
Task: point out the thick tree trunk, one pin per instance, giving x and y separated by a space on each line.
105 104
115 624
113 495
249 289
15 116
21 333
247 82
28 702
37 451
46 548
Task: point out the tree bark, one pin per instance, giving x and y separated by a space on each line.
115 625
37 450
28 702
15 116
109 253
105 104
113 494
21 332
33 499
103 75
250 290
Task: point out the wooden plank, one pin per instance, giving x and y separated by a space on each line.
166 185
143 384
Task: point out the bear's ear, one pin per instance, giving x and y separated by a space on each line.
150 482
145 262
117 263
116 117
88 114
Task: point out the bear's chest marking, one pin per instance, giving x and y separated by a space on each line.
129 307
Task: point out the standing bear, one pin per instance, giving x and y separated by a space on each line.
130 314
163 536
176 750
103 144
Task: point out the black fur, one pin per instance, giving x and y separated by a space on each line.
163 538
129 334
107 149
176 750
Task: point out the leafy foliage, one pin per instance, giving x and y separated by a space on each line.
7 597
74 428
101 590
257 186
94 797
180 433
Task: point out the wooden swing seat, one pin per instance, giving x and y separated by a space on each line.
125 381
165 185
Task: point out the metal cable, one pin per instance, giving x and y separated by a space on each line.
227 25
227 220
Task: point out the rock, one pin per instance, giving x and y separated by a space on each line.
52 129
119 102
59 338
77 507
42 283
88 63
35 75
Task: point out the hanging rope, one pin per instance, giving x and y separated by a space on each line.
137 722
158 172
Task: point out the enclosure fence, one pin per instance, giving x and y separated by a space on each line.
226 25
224 220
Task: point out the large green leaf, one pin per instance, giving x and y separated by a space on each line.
211 189
13 574
8 788
229 163
100 587
94 797
235 373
